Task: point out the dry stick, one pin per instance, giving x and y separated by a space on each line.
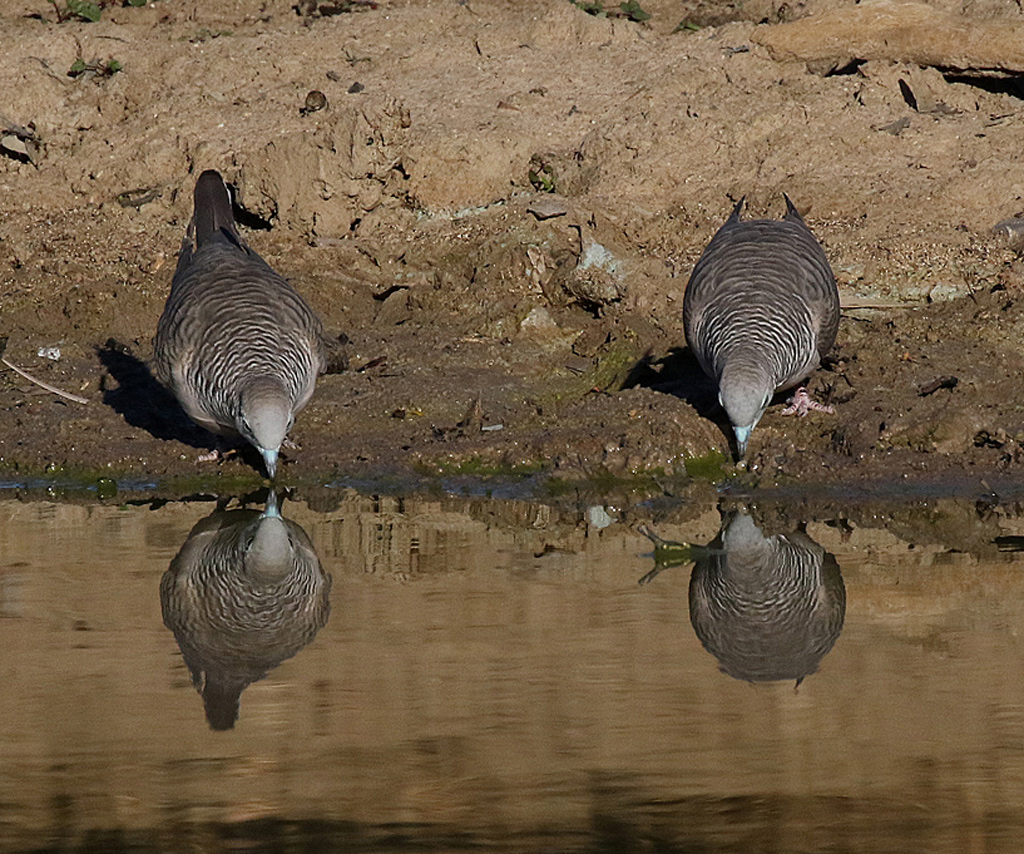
855 305
40 383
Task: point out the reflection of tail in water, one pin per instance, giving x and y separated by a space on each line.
768 608
245 592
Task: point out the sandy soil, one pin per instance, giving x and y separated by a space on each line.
497 212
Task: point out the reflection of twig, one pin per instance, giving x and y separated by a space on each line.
654 573
41 384
669 554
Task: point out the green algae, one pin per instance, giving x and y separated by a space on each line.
713 467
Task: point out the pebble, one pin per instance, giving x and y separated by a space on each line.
598 517
315 101
548 207
1012 227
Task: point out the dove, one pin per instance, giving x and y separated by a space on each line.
760 310
236 344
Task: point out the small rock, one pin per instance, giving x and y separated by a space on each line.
1009 227
539 319
598 517
940 382
896 127
315 101
594 288
18 148
824 66
954 432
548 207
395 309
542 329
596 255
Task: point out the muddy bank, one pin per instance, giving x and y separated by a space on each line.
497 211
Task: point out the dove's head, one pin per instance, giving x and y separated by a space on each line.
744 396
264 419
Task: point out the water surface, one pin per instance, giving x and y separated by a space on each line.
491 675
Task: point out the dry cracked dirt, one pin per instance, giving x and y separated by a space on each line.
495 207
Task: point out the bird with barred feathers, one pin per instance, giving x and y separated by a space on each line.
238 346
760 310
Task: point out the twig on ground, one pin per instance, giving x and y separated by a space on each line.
41 384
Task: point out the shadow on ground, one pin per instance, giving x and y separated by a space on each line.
143 402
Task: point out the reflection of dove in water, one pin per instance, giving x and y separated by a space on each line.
245 592
768 608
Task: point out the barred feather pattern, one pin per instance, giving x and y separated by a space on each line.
762 298
231 321
233 626
768 608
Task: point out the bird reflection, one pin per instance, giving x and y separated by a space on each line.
244 593
768 608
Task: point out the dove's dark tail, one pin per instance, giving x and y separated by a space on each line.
792 214
222 699
213 217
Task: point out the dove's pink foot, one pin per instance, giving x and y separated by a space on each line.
801 403
217 455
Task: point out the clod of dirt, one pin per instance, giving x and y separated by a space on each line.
901 32
597 281
138 197
322 182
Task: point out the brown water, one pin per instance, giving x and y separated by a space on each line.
491 676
